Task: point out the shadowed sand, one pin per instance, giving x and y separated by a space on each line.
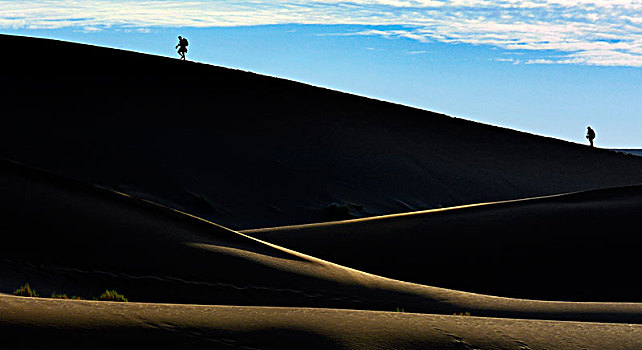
578 246
247 151
39 323
67 237
250 151
63 236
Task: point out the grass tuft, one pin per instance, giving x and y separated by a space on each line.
108 295
112 295
59 296
25 291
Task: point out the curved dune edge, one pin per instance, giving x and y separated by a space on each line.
411 214
377 218
35 322
64 236
576 246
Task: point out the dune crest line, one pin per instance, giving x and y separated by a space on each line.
165 242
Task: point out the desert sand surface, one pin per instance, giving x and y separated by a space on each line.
42 323
250 151
584 244
133 172
67 237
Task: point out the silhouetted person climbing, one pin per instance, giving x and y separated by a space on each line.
182 47
590 135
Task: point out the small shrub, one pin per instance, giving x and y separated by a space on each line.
25 291
112 295
55 295
462 314
59 296
400 310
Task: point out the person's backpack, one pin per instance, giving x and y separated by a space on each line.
184 42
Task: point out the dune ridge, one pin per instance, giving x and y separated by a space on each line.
249 151
68 237
576 246
134 172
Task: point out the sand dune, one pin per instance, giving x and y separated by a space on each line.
578 246
39 323
63 236
250 151
110 159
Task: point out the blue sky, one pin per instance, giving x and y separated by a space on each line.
549 67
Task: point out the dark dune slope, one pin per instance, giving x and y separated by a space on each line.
250 151
66 237
579 246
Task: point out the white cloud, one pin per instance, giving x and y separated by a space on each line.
91 29
592 32
501 59
541 61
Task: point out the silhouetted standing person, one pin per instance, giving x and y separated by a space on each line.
590 135
182 47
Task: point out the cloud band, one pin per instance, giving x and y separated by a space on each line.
593 32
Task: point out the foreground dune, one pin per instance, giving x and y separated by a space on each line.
578 246
40 323
250 151
63 236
